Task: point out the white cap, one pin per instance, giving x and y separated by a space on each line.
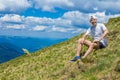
94 17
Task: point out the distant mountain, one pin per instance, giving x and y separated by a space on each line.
9 51
30 43
11 46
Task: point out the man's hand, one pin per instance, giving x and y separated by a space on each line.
96 41
82 40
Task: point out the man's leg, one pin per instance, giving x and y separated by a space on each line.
79 48
90 49
86 42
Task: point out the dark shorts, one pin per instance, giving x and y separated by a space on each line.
101 45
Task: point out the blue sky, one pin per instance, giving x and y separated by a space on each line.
53 18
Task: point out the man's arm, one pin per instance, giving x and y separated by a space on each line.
104 34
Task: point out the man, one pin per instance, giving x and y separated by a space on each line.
98 32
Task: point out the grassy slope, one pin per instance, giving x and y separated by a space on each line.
52 63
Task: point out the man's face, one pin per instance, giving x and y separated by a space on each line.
92 20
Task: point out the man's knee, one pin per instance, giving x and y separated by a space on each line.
80 41
92 45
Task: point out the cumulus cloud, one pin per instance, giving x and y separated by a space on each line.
78 31
86 6
50 5
95 8
62 22
59 29
13 5
39 28
2 7
39 20
18 27
11 18
77 18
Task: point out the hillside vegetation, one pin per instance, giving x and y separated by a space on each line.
52 63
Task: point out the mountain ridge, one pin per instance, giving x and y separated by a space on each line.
30 43
9 51
12 46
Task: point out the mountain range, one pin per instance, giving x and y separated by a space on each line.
11 46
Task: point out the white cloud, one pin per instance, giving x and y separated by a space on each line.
39 20
48 21
88 6
59 29
39 28
62 22
15 27
11 18
77 18
95 8
47 8
2 7
14 5
50 5
79 31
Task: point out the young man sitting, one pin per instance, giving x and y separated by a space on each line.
98 31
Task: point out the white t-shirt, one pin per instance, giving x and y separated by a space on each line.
96 32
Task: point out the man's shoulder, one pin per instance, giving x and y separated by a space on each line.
100 24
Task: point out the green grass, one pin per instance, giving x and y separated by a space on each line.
52 63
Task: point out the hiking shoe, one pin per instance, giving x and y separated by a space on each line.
75 59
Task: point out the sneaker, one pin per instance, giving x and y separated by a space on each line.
75 59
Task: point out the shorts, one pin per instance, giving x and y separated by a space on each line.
101 45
